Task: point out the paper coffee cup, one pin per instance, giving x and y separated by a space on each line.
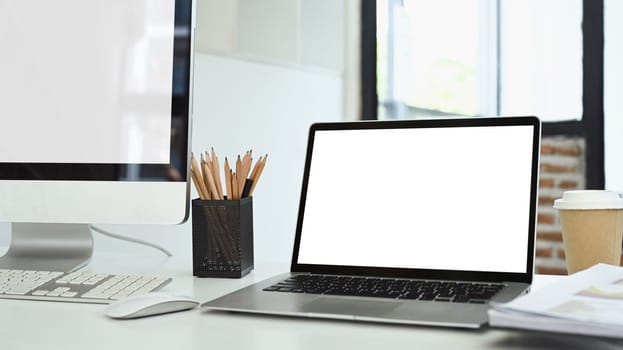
592 228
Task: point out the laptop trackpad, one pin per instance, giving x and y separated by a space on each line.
344 306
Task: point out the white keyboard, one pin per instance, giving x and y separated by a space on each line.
81 287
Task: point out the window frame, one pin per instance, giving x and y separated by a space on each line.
590 127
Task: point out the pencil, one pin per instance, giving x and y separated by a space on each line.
215 172
255 169
228 180
197 186
205 172
234 186
255 179
247 188
238 178
246 167
201 188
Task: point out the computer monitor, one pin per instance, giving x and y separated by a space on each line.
96 99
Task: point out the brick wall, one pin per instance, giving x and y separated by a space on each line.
562 169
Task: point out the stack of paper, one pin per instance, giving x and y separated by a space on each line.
589 302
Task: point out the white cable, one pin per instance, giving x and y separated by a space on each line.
130 239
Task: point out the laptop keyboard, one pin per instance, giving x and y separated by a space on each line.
442 291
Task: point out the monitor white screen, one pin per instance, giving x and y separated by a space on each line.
86 81
96 100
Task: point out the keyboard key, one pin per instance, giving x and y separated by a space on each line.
460 299
477 301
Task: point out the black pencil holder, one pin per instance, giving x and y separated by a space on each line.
222 237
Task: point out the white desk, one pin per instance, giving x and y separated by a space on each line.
52 325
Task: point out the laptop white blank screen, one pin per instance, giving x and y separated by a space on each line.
454 198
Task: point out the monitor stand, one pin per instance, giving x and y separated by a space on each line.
48 247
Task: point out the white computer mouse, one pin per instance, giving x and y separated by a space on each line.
149 304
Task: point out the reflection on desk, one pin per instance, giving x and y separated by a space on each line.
37 324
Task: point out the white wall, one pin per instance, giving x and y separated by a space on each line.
307 32
324 34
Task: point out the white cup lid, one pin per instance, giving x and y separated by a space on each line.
589 199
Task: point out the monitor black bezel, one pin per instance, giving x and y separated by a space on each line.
525 277
175 170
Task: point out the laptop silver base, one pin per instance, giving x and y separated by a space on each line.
253 299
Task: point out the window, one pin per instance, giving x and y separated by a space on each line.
426 63
540 63
428 58
485 57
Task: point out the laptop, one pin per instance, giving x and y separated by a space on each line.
421 222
